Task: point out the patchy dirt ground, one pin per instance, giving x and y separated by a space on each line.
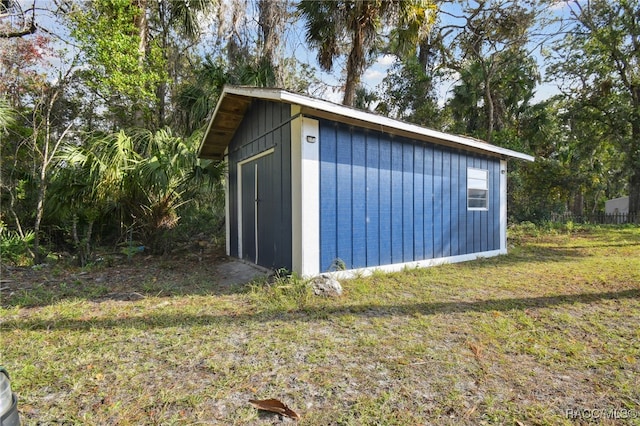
118 277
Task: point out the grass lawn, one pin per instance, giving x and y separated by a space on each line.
548 334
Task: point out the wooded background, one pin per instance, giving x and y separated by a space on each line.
103 103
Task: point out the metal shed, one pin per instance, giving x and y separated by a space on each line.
314 187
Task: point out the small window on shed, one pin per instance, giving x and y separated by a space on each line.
477 189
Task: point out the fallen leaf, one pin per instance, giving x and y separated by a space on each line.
470 411
274 406
476 349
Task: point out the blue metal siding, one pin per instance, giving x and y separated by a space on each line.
328 192
388 199
428 203
344 197
446 203
384 201
455 206
359 197
469 247
437 204
373 199
478 218
462 206
396 203
418 202
407 201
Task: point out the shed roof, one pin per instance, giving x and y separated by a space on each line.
235 100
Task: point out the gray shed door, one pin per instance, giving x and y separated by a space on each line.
258 210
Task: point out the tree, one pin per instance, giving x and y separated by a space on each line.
134 50
43 120
485 103
577 163
122 81
178 27
134 183
409 89
6 115
13 22
409 94
123 68
272 17
354 28
490 47
599 62
45 142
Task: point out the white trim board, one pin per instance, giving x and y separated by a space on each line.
305 196
310 207
396 267
296 191
503 206
227 208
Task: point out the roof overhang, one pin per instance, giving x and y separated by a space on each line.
235 100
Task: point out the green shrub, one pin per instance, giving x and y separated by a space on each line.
280 293
14 248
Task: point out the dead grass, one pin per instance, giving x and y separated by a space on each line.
551 329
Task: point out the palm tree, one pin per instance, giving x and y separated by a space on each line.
6 115
488 100
355 27
139 180
465 104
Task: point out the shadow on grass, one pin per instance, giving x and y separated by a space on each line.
29 287
602 245
523 255
165 320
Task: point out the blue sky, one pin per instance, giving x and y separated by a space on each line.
331 81
374 75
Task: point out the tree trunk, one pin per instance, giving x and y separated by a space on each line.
270 20
488 73
42 192
162 89
488 100
354 67
634 160
88 237
141 24
16 219
42 183
634 192
47 154
578 204
74 230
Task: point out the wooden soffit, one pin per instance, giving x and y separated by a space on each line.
223 125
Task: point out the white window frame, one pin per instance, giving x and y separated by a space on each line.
477 182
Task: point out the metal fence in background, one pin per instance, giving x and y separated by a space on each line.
597 218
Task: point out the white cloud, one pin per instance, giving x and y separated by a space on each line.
386 60
558 4
446 86
372 74
334 96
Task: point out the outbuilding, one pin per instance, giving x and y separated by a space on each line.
316 187
617 206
